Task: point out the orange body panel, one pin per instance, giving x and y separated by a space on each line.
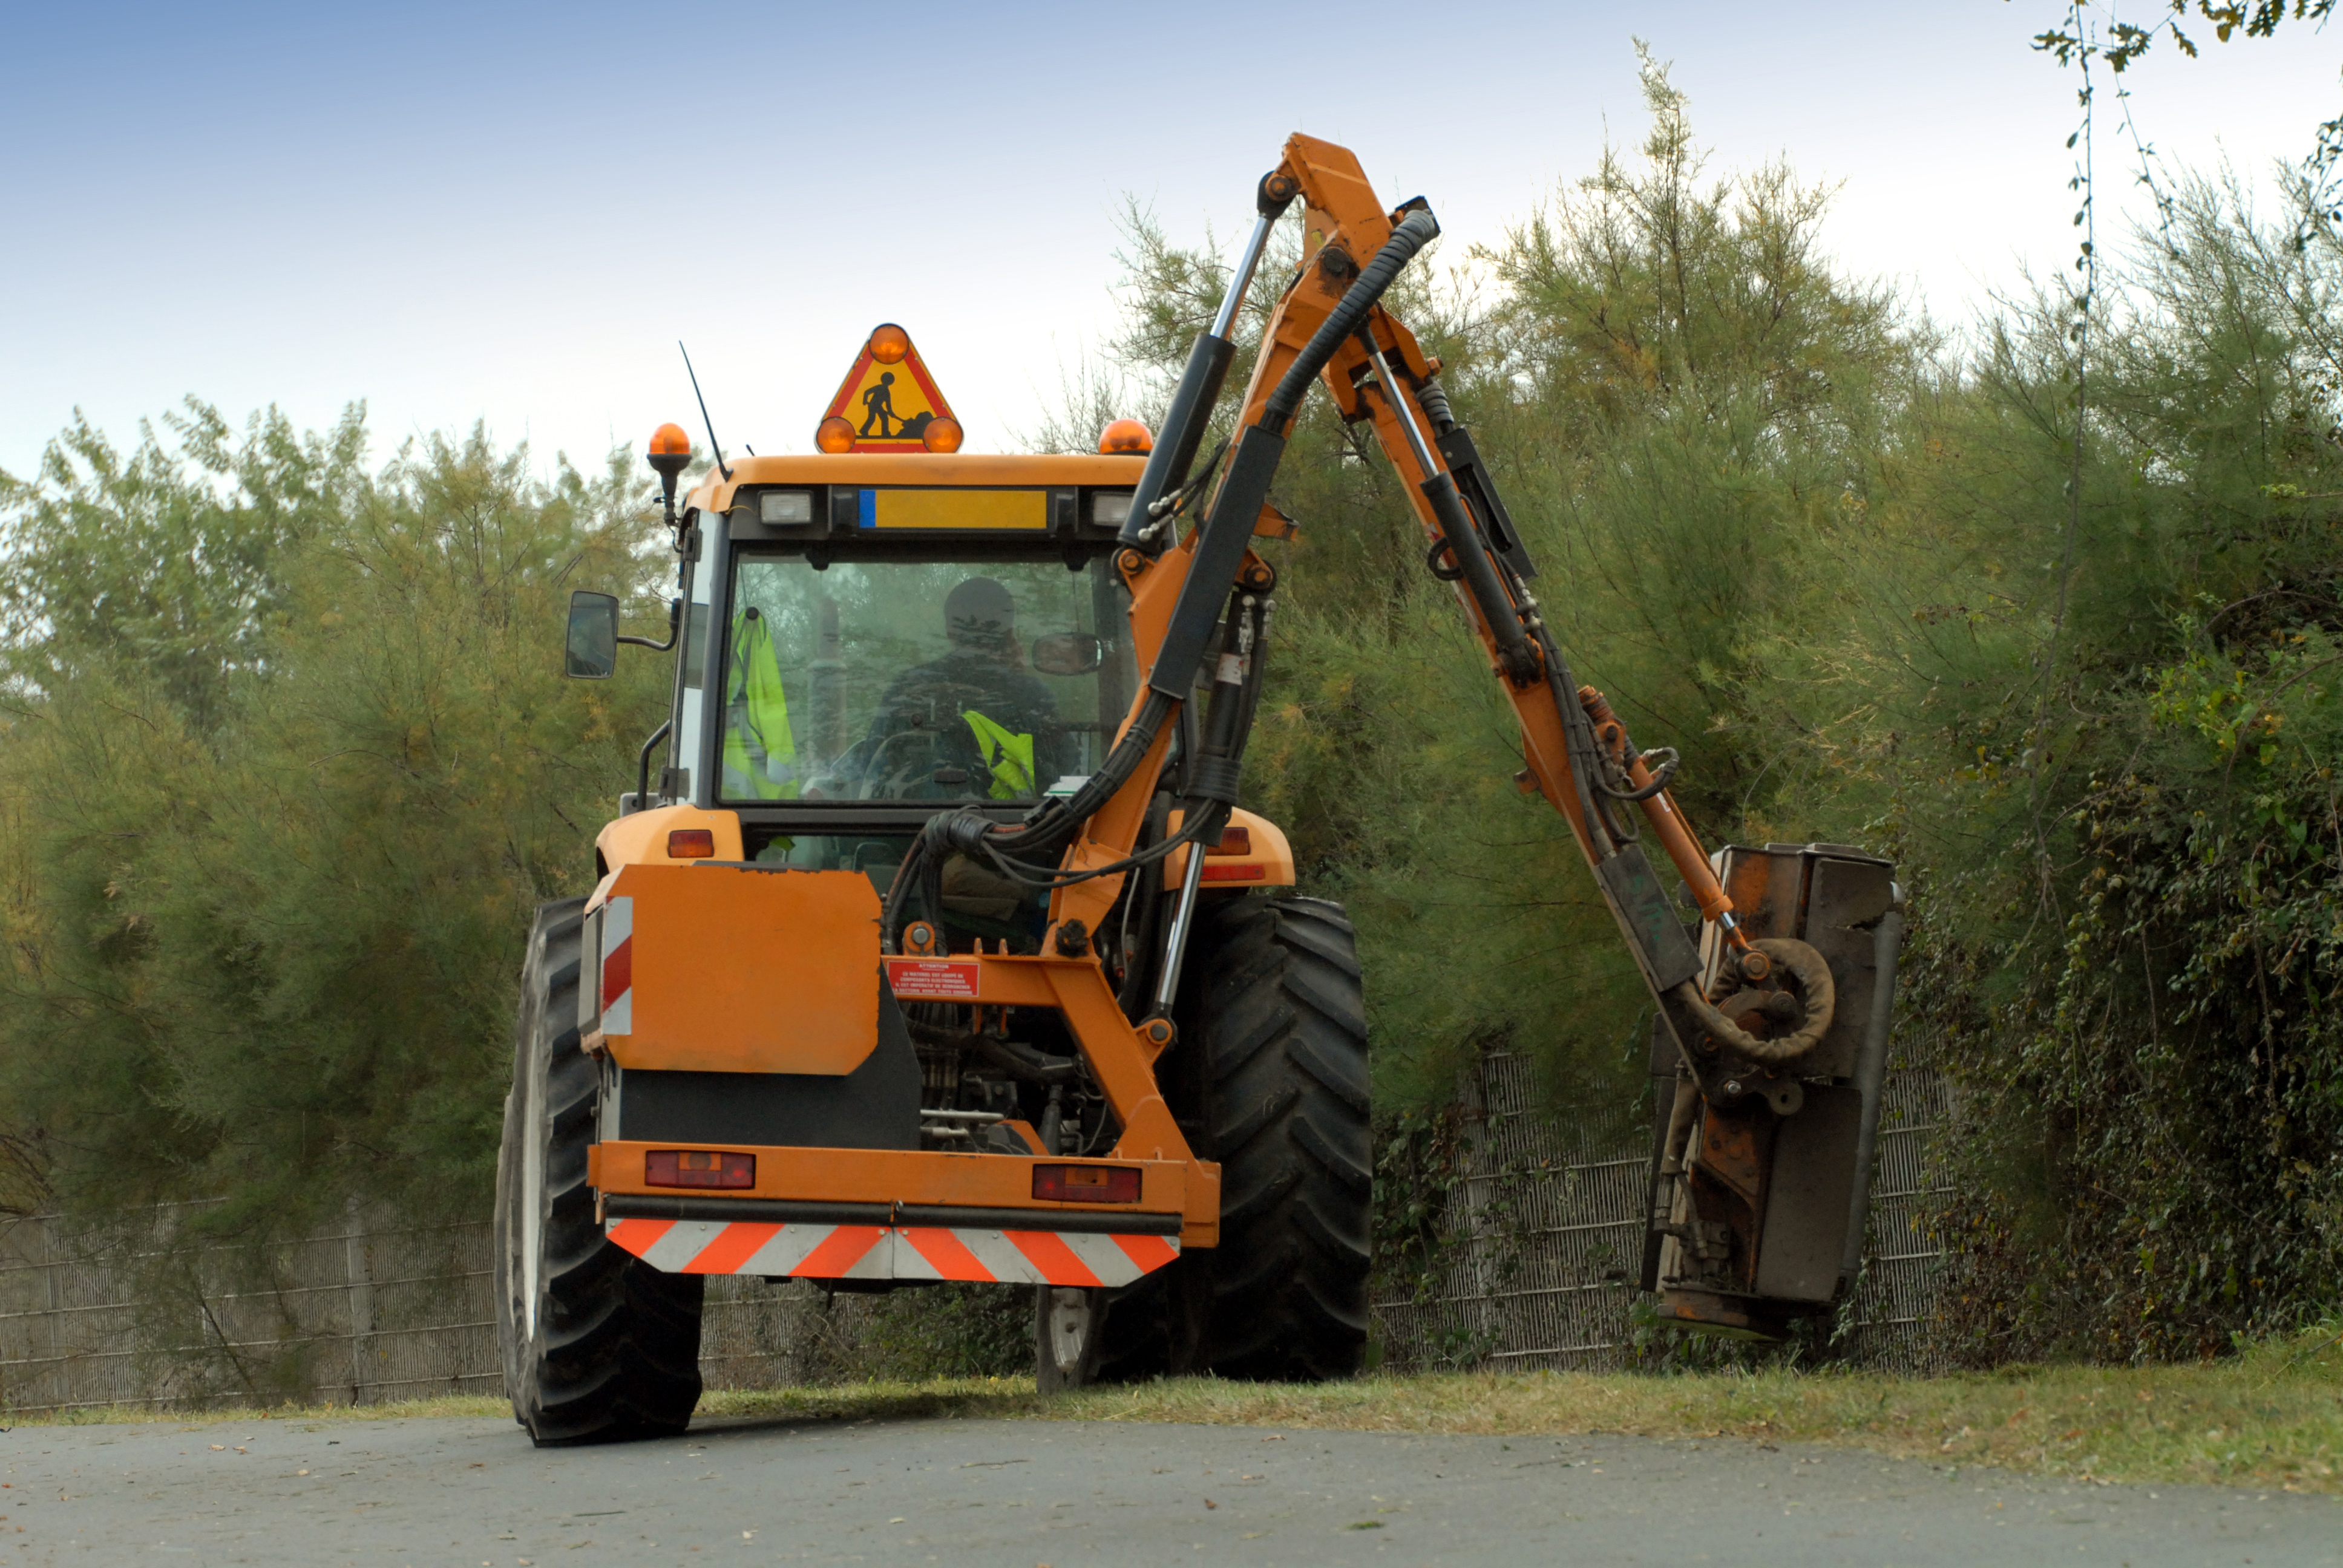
749 970
1269 865
640 838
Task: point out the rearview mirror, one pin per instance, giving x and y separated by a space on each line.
593 650
1068 653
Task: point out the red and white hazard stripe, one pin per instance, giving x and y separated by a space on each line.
887 1253
618 966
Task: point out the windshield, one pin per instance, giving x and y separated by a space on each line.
909 680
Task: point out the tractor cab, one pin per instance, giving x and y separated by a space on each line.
871 640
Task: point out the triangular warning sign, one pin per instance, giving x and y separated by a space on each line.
888 399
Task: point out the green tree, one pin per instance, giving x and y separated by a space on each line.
287 762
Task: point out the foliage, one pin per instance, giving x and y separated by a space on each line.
287 762
1679 400
2127 41
1864 579
2072 41
909 1335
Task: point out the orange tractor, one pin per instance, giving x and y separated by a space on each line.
939 947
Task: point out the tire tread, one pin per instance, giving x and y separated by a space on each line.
616 1354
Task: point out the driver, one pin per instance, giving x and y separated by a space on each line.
978 698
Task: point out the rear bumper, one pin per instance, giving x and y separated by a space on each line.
900 1214
763 1210
977 1255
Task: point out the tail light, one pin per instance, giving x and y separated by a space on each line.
1086 1183
701 1168
1233 841
691 844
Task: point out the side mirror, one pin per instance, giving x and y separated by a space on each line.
1068 653
593 645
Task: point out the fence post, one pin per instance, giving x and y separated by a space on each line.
60 1372
360 1280
1478 1274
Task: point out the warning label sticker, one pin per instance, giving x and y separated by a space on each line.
934 979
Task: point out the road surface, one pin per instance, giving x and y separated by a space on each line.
1021 1493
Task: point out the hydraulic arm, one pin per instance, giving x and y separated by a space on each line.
1741 1185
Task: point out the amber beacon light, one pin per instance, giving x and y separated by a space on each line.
670 454
1125 436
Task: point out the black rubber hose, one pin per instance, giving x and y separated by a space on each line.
1470 551
1048 828
1418 229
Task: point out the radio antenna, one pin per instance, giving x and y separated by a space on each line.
704 419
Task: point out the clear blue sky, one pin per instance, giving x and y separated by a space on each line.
511 212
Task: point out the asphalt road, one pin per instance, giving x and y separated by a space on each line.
448 1491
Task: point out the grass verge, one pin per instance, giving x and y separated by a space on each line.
2271 1418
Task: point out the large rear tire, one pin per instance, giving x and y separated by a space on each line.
595 1343
1272 1011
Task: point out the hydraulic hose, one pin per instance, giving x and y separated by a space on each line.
1415 231
1219 547
1047 828
1820 997
1222 539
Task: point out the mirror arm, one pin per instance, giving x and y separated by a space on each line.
674 620
643 766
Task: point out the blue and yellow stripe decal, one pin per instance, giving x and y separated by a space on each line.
925 510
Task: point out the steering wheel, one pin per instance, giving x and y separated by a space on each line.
892 776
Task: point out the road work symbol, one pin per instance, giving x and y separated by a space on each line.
881 402
887 400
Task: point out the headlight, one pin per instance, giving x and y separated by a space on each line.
1110 511
785 506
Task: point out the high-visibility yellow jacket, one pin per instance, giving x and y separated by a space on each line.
1008 757
760 755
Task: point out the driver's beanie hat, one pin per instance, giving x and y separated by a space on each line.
980 613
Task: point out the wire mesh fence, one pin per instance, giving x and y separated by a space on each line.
1538 1250
138 1311
1541 1240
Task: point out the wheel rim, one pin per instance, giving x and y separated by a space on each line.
1071 1321
532 1199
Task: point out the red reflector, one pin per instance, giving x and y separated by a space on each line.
691 844
1233 841
699 1168
1086 1183
1233 873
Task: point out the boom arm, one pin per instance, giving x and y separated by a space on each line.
1331 325
1200 606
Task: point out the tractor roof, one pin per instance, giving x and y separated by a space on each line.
959 470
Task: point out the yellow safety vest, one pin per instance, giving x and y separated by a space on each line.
1008 757
760 755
